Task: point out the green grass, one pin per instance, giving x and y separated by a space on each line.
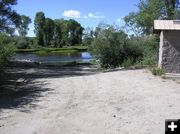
60 52
44 50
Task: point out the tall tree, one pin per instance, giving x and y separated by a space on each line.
23 26
88 36
39 23
79 35
9 18
75 32
141 22
58 33
65 32
48 31
172 8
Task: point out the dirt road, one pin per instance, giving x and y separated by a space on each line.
119 102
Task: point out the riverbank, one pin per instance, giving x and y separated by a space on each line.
82 100
64 50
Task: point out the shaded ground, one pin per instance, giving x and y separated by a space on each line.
32 71
80 100
19 87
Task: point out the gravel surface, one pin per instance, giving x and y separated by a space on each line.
118 102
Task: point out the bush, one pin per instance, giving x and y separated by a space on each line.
147 47
150 51
108 48
32 43
127 62
133 52
6 51
112 48
22 44
157 71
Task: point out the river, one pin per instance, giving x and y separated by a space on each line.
52 58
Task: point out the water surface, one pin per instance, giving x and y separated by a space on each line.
53 58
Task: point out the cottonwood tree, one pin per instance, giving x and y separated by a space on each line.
60 32
88 36
75 32
172 8
57 32
141 22
9 18
23 26
48 31
63 24
39 23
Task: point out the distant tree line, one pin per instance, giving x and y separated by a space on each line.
58 32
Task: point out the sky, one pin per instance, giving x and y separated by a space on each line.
87 12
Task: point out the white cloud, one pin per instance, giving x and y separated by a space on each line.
77 14
72 14
91 15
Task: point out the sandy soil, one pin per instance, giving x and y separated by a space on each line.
119 102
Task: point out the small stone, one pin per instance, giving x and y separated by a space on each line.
114 115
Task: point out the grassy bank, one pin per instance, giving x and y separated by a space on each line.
44 50
65 64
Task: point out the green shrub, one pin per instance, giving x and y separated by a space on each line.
127 62
157 71
112 48
133 52
147 47
6 51
107 47
32 42
22 44
150 51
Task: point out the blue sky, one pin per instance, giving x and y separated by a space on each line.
88 12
